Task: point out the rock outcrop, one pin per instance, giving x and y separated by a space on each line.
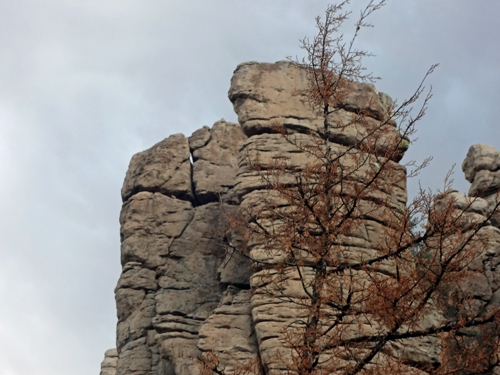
180 294
482 169
171 255
263 94
108 365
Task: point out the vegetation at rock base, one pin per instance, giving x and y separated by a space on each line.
368 273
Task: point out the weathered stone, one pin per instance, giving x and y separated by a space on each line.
264 94
108 365
128 300
181 293
463 203
189 283
267 149
486 183
482 169
476 293
134 324
171 251
236 269
164 168
134 358
423 352
365 97
135 277
199 138
480 157
189 288
215 160
261 93
149 224
229 330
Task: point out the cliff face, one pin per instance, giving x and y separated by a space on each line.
179 293
171 282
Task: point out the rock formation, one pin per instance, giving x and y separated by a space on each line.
179 294
482 170
108 365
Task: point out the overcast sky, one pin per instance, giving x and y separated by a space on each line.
85 84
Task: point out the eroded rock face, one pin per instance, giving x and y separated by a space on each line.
480 290
482 169
263 93
230 330
215 156
164 168
108 365
171 253
180 295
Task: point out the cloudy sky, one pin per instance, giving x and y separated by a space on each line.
85 84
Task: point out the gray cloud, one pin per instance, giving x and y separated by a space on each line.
84 84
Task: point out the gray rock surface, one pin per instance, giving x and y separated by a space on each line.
108 365
180 294
262 93
480 157
482 169
164 168
229 330
215 159
479 292
171 253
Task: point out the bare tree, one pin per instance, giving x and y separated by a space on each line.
356 308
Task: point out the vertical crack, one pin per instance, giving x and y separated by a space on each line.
196 202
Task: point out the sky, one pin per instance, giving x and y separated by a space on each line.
85 84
